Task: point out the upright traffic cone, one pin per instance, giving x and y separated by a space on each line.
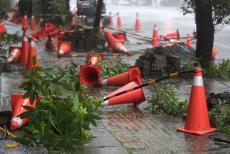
2 29
135 96
25 51
90 75
17 103
122 79
31 56
25 22
65 48
110 19
197 120
137 24
119 24
189 41
33 23
155 39
214 53
15 53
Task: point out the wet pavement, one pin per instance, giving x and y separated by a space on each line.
124 129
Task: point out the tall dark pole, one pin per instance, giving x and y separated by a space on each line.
97 19
205 31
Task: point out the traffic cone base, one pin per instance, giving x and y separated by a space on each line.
90 75
197 120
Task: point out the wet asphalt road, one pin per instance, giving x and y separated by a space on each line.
167 19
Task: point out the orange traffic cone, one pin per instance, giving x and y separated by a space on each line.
25 22
174 35
214 53
90 75
123 78
110 19
32 54
137 24
155 40
25 51
197 120
189 42
136 96
115 44
119 24
94 59
14 54
65 48
33 23
2 29
17 103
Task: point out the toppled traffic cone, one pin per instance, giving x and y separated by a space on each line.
173 35
115 44
119 24
122 79
15 53
33 23
93 59
90 75
135 96
33 60
137 24
110 19
155 39
17 103
197 120
65 48
25 51
189 41
214 53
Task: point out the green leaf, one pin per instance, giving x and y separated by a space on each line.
34 60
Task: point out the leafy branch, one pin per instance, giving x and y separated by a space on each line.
62 116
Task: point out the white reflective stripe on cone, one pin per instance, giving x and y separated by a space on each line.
105 103
18 120
32 44
198 81
104 82
61 52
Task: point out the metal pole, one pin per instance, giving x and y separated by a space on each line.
97 19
